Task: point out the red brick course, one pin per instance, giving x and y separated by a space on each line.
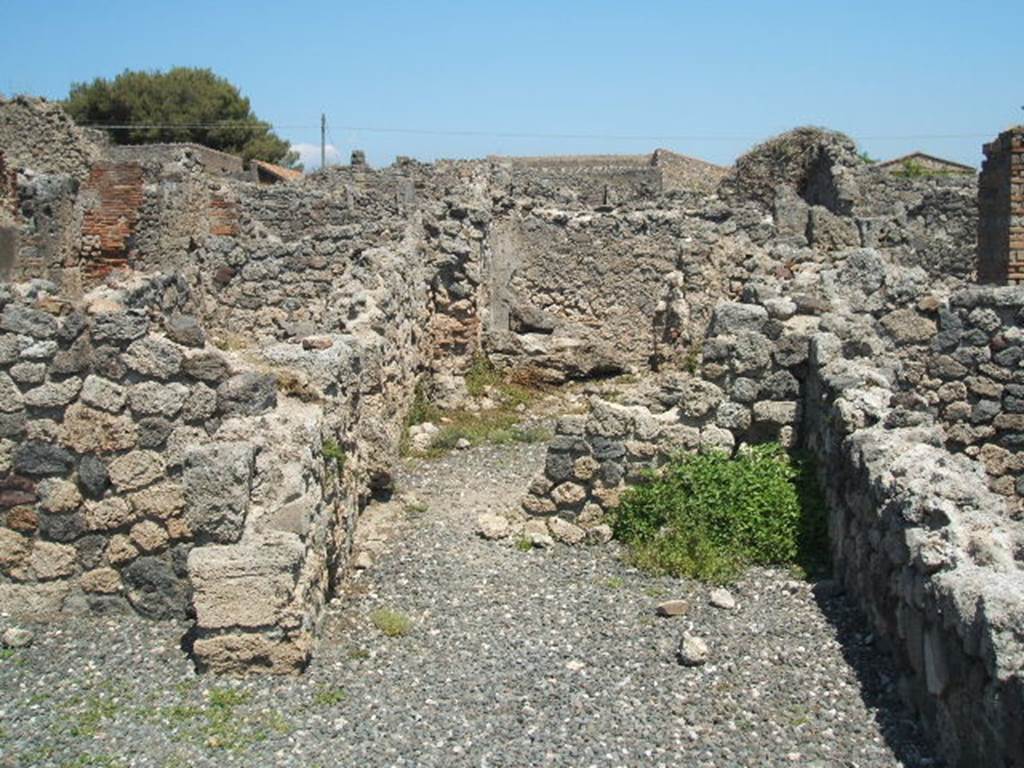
108 226
223 216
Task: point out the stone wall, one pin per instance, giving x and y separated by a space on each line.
927 551
1001 199
749 390
211 161
141 466
894 392
99 408
969 373
587 179
38 134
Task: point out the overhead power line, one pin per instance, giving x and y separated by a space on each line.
521 134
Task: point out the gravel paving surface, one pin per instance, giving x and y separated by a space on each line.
514 658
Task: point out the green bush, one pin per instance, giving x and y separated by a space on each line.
709 515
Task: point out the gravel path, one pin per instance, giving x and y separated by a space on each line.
544 657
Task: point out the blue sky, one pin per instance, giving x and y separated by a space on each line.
706 78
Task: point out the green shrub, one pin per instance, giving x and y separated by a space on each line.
708 516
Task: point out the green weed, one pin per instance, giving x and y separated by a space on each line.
334 452
328 697
391 623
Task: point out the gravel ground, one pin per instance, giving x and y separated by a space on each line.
543 657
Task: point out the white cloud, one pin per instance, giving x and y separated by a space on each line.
309 155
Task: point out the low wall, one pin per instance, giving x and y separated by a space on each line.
969 371
142 468
927 551
749 390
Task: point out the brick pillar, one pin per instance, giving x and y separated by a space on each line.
1001 210
1016 258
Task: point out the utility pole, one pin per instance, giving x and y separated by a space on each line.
323 141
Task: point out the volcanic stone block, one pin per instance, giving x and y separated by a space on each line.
119 327
38 458
154 357
154 589
136 469
218 480
30 322
185 329
245 585
247 394
86 430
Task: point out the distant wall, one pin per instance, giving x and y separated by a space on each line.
212 160
588 179
923 162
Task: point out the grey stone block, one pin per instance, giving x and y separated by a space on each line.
217 482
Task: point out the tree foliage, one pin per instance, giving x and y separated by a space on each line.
183 104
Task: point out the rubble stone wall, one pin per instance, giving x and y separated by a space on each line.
970 375
100 408
927 551
211 160
144 467
748 390
38 134
591 180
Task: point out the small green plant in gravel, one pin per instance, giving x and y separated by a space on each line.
359 654
218 723
615 582
709 516
329 696
416 508
11 657
391 623
94 761
499 425
223 729
87 722
523 544
495 427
